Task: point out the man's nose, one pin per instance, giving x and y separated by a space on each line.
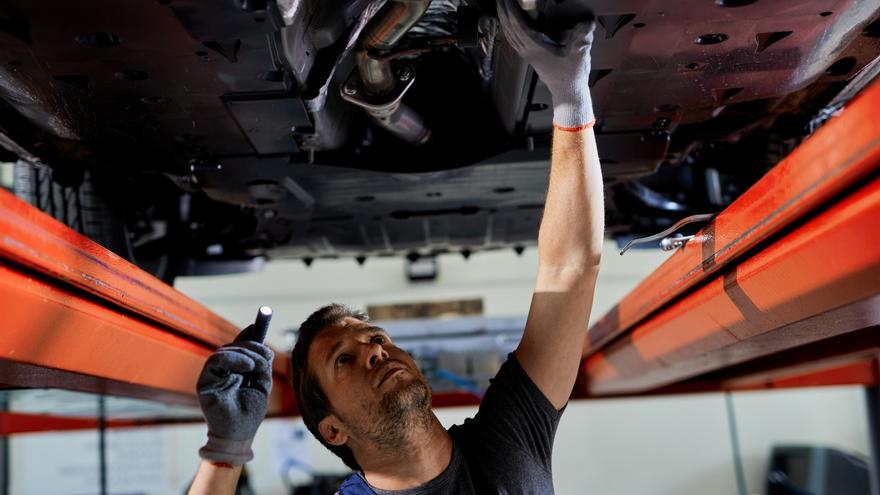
376 355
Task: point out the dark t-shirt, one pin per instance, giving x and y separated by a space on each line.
506 448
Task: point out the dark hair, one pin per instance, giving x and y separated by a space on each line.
310 398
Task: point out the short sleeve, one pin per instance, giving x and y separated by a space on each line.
514 409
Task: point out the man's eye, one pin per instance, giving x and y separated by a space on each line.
378 339
342 360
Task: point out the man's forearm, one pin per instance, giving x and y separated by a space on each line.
212 479
572 229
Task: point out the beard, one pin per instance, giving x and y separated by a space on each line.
406 402
403 410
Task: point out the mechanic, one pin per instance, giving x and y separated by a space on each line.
365 399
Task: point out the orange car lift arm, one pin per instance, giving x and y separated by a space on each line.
796 259
78 317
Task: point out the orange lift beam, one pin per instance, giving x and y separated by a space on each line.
795 260
78 317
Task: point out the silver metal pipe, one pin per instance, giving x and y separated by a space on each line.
406 124
386 30
383 87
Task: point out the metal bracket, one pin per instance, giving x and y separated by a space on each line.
669 242
674 241
353 92
388 110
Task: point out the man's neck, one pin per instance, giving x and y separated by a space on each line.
424 454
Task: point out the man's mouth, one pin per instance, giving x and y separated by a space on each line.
389 371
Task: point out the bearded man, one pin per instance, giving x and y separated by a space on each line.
366 400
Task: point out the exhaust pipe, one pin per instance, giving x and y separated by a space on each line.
376 86
386 30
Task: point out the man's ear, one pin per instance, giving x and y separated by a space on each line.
333 431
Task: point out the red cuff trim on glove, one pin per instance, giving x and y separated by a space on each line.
576 129
222 465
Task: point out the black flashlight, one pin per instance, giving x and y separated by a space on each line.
261 324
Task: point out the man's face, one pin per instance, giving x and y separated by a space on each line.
374 387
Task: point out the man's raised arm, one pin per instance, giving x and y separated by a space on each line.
569 248
571 234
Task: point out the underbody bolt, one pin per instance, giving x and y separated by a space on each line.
405 74
350 89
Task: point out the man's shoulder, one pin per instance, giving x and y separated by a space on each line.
514 417
491 455
460 432
474 437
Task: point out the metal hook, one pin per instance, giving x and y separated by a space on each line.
669 243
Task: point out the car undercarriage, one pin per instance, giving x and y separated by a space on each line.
203 136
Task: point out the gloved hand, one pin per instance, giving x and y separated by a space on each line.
565 69
234 391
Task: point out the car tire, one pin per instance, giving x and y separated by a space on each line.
77 200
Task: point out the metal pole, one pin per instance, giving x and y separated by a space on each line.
102 444
872 400
5 480
734 444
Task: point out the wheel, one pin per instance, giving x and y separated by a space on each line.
90 206
77 200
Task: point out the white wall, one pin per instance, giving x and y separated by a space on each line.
658 446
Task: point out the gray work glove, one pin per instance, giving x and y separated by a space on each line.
234 391
565 69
